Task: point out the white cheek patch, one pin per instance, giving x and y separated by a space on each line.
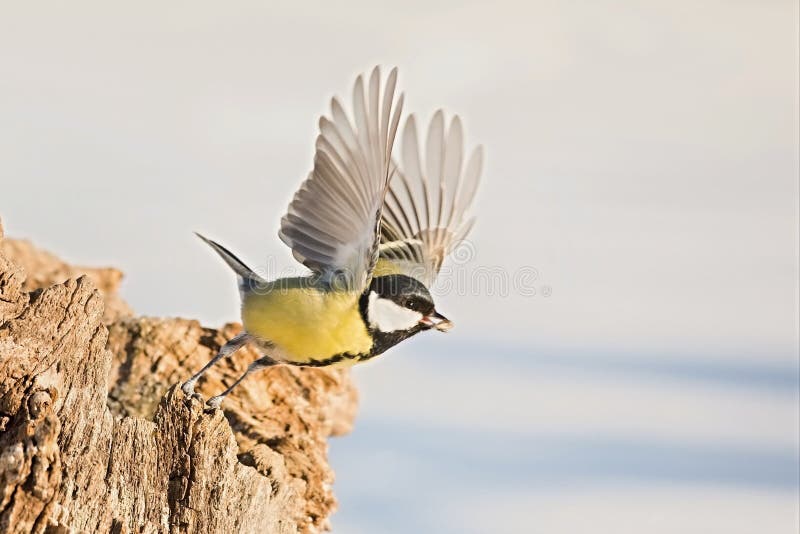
387 316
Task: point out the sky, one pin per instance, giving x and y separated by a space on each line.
632 280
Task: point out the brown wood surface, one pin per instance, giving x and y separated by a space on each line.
95 435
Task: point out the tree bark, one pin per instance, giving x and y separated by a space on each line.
96 436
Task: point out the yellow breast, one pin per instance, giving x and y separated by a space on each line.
305 323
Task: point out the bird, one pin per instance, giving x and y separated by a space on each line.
372 229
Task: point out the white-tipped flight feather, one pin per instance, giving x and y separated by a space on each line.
332 224
425 212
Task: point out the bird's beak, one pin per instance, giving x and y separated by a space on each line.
438 321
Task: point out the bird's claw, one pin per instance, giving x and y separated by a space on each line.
214 403
188 388
188 391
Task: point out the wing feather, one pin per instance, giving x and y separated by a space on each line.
332 224
425 214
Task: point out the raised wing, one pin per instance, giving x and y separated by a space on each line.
425 212
332 225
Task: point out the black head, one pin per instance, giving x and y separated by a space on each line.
406 292
400 305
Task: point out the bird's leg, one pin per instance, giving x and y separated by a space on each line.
226 350
261 363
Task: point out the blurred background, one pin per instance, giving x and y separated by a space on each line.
626 351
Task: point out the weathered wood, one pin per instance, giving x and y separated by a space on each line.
95 435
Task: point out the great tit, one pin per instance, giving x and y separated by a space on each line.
373 233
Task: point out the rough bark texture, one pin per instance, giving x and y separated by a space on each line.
95 436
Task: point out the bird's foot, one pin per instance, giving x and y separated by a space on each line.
188 388
214 403
189 392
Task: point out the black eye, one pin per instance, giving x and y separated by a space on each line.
412 304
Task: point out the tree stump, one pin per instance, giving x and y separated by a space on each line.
96 435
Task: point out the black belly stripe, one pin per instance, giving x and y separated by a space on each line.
369 356
380 343
377 349
336 358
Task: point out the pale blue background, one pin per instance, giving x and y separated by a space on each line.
570 441
642 157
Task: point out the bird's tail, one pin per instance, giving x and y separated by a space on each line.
246 275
